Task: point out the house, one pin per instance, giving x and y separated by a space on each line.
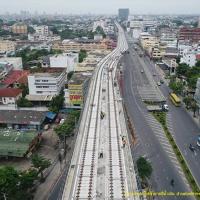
9 96
22 119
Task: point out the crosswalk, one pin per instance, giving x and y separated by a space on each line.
160 134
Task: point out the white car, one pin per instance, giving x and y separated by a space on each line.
165 107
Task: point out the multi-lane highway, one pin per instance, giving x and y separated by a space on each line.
151 140
99 167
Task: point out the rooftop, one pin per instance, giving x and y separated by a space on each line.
10 92
21 117
48 72
16 76
79 78
15 143
39 97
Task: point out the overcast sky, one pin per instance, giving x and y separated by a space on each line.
102 6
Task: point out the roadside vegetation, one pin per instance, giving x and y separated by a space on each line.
57 102
67 128
18 185
161 117
144 171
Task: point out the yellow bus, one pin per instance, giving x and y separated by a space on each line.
175 99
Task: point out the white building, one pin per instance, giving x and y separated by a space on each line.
100 23
16 62
48 38
50 82
189 56
42 30
67 60
136 28
169 39
98 37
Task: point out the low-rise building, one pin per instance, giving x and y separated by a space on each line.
42 30
9 96
48 38
15 78
69 46
67 60
149 42
190 56
7 46
22 119
16 62
20 28
48 82
5 68
189 34
77 89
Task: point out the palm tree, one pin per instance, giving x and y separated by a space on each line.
40 163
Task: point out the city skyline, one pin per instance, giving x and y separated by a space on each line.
103 7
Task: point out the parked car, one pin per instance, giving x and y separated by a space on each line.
46 127
62 121
158 83
161 81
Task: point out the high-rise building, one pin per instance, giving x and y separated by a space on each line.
199 23
123 14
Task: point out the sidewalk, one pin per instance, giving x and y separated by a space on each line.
44 189
195 119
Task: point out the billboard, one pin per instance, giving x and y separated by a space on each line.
76 99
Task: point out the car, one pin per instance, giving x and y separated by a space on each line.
154 74
165 107
142 71
158 83
62 121
161 81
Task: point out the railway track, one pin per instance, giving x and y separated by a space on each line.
84 181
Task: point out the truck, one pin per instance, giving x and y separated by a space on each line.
158 108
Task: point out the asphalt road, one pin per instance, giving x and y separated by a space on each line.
148 144
185 130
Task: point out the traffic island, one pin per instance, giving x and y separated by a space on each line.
161 118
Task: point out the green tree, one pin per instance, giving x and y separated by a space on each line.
182 69
31 29
23 102
16 185
57 103
197 63
177 87
82 55
25 89
99 30
66 129
40 163
54 30
188 101
144 168
69 75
